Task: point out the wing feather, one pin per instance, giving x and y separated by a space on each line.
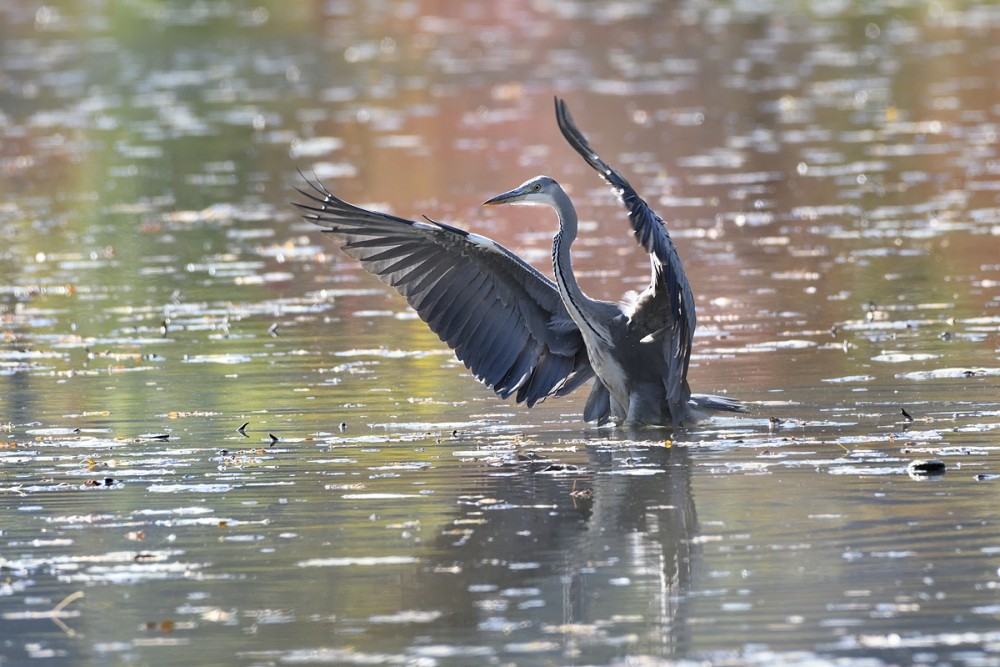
598 407
463 305
504 320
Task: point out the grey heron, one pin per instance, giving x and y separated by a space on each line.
519 332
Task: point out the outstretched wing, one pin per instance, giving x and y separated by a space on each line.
664 313
502 318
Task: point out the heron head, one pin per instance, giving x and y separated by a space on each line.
538 190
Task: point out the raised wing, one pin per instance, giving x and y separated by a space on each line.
504 320
664 313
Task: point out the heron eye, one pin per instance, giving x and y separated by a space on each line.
537 187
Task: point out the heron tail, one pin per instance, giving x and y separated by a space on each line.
701 402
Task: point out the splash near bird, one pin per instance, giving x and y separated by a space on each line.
524 335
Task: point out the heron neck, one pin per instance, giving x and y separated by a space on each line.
577 303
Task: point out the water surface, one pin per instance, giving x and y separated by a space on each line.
829 175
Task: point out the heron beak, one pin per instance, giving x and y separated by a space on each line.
511 197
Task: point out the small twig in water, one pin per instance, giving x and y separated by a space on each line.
53 614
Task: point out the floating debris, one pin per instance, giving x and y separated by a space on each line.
926 467
581 493
165 626
226 359
560 467
55 614
175 414
951 372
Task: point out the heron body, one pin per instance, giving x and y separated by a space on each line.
525 335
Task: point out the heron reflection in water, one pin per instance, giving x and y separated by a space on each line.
524 335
